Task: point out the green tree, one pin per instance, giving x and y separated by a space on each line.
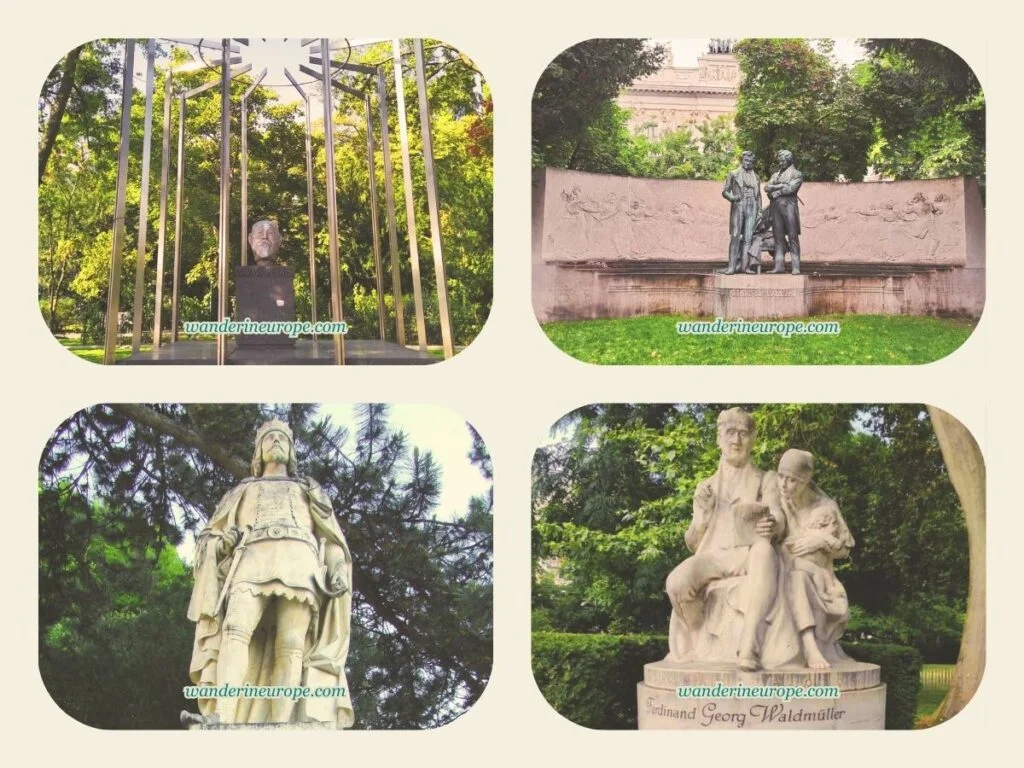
679 155
929 110
574 95
796 97
612 501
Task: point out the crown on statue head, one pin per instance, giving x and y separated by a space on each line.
274 425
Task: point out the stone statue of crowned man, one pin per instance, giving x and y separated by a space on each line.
272 599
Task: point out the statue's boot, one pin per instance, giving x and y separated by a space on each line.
780 260
794 254
287 672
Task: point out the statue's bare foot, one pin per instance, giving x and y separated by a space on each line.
817 661
749 664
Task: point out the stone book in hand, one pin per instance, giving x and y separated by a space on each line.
745 516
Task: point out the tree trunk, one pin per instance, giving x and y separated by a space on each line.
67 81
967 472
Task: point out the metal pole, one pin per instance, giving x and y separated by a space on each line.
389 198
114 283
410 206
165 158
311 231
178 201
374 219
244 127
440 275
332 205
245 165
225 195
147 137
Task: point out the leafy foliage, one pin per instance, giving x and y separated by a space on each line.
612 497
797 98
930 109
574 117
122 486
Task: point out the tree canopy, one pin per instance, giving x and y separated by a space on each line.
123 488
78 172
612 498
910 109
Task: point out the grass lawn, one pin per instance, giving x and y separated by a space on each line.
863 340
931 696
94 352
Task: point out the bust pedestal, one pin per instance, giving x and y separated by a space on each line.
265 294
761 297
860 706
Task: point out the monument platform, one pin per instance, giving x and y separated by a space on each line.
761 296
616 247
304 352
861 703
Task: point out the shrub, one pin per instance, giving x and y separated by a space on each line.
591 679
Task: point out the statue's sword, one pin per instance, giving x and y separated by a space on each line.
235 557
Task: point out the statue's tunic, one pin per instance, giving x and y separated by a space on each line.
280 557
785 210
328 641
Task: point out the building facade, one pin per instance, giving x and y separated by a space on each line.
677 97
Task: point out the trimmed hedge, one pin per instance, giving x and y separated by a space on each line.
901 672
591 679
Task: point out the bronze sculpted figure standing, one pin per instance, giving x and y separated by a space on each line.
782 190
743 190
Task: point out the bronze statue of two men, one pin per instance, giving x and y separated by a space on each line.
748 224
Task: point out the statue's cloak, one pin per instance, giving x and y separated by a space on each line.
328 639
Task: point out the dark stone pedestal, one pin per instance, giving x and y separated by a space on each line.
265 294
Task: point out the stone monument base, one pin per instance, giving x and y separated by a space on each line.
860 706
761 296
265 294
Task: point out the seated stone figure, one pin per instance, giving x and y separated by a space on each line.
816 536
725 597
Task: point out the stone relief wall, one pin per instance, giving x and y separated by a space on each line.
599 218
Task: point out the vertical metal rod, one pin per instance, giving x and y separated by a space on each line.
165 158
311 230
375 219
225 194
410 206
244 128
441 277
178 216
389 198
332 206
147 138
114 283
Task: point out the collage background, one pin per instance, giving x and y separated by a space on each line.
511 383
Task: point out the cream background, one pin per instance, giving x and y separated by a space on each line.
531 385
